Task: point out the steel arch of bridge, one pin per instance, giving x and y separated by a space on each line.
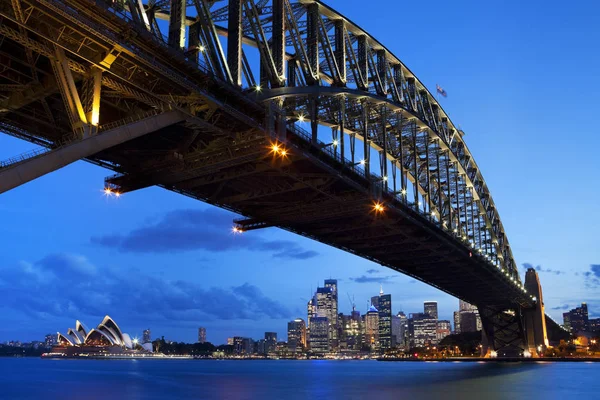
317 65
313 63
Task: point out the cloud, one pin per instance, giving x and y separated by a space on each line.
190 230
563 307
592 277
67 285
373 279
540 269
372 271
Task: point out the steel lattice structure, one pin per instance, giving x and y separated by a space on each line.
210 99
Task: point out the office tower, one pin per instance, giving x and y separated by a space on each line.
319 335
311 311
146 336
456 322
431 308
399 325
201 335
443 329
467 318
577 319
424 330
594 325
375 299
270 341
230 341
372 328
385 320
296 333
327 306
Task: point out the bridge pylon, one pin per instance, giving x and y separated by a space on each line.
514 330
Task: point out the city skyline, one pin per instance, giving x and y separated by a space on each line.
173 285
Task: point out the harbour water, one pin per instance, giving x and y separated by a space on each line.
33 378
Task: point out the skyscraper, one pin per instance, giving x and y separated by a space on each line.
333 318
385 320
270 341
424 330
327 306
372 328
311 311
399 327
319 335
443 329
456 322
146 336
201 335
577 319
296 335
431 308
467 318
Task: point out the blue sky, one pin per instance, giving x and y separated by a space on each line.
522 82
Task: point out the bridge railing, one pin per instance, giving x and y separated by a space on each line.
357 169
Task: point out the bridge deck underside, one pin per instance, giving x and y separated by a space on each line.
306 193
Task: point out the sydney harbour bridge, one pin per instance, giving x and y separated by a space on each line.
283 111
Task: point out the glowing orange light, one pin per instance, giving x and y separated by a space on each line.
107 191
117 194
283 153
275 148
378 207
236 230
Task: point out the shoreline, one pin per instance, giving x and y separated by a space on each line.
495 360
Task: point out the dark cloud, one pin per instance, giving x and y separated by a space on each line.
65 285
540 269
372 271
189 230
563 307
373 279
592 277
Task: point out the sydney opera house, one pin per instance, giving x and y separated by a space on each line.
105 339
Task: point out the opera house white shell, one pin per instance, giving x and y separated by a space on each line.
107 333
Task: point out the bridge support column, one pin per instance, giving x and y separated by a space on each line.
535 318
503 332
20 173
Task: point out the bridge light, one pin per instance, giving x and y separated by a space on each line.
403 191
201 48
455 230
275 148
378 207
533 298
301 118
117 194
258 88
384 178
363 161
107 191
335 142
236 230
284 152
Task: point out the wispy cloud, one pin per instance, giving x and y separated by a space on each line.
372 271
540 269
592 277
373 279
190 230
563 307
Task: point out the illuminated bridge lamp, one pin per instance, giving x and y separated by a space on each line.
335 142
363 161
107 191
258 88
117 194
378 207
236 230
